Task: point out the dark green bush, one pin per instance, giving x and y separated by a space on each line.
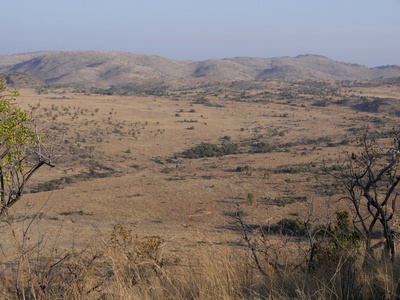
242 169
211 150
262 147
203 101
292 226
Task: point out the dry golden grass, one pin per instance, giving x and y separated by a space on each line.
166 198
163 194
127 266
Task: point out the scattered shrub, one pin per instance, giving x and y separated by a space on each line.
242 169
250 198
211 150
262 147
293 227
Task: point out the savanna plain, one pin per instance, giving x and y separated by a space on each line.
200 189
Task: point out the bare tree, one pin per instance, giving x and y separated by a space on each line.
371 178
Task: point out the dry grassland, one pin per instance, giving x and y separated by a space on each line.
130 148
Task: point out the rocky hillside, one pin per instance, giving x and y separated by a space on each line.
105 69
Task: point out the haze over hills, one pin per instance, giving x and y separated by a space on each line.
105 69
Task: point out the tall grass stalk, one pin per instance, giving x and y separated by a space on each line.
130 267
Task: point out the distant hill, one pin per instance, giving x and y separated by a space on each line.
18 80
105 69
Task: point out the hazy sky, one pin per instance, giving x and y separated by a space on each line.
366 32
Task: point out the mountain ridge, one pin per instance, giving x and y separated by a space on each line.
106 68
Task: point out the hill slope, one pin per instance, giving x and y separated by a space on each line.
104 69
